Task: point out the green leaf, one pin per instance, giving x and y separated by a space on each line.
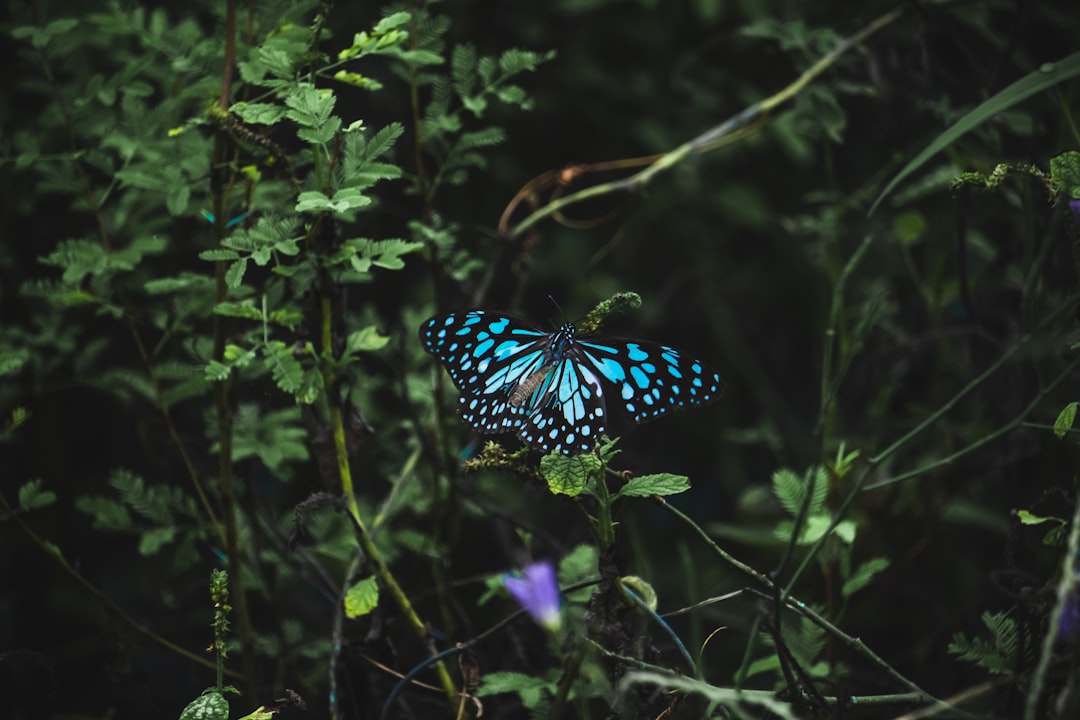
357 80
383 141
1065 172
361 598
216 371
218 254
107 514
1046 77
997 656
790 490
1065 420
287 371
649 485
12 361
211 705
530 689
863 575
154 539
166 285
568 475
238 310
311 201
577 566
258 113
349 198
1029 518
366 340
32 497
234 276
765 664
388 23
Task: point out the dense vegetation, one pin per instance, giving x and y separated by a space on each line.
231 478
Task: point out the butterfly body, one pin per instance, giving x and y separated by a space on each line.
550 388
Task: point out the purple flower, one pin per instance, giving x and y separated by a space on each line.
537 591
1074 205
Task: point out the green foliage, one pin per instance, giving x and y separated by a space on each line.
531 690
261 378
33 497
1065 419
570 475
1038 81
1065 173
998 654
361 598
211 705
659 484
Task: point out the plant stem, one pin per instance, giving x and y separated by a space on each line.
367 546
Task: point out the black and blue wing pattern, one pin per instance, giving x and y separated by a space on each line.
553 389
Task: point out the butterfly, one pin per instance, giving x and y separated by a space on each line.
551 388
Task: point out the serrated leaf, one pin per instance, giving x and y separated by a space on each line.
1065 172
568 475
863 575
1065 420
361 598
659 484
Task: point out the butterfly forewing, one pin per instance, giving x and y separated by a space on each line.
483 352
651 379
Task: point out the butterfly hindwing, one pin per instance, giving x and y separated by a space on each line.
566 410
549 388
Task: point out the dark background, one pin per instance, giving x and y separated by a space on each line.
735 252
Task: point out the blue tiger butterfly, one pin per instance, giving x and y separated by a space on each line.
552 388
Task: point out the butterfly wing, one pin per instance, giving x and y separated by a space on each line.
565 411
486 355
515 377
549 387
651 379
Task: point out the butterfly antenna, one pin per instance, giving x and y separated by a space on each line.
557 307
